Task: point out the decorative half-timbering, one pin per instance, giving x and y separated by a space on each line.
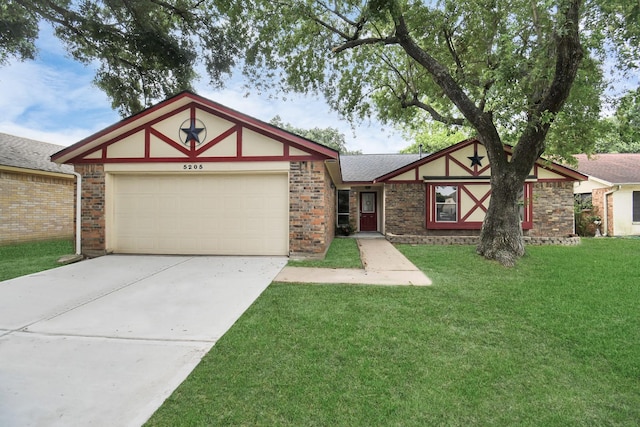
448 193
190 176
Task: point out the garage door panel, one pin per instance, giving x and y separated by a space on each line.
204 214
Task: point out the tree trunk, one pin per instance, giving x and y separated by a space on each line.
501 235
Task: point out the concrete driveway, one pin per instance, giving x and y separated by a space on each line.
105 341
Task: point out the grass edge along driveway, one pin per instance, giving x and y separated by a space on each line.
26 258
554 341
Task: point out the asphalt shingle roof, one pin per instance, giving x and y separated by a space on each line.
621 168
30 154
367 167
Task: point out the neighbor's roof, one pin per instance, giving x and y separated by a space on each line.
367 167
26 153
613 168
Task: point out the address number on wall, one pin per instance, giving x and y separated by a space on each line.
192 167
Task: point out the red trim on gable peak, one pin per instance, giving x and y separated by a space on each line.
188 100
566 172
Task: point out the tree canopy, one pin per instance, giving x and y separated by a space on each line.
148 50
623 128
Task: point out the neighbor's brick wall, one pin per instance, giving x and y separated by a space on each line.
35 207
93 214
552 209
311 208
405 208
598 200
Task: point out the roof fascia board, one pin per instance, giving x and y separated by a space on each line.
426 159
15 169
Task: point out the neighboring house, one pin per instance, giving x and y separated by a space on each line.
36 195
190 176
614 189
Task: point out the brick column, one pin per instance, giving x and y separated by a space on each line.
311 208
93 209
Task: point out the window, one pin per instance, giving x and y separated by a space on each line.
343 207
636 206
446 203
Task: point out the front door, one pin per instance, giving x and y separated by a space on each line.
368 214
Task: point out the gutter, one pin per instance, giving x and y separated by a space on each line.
78 211
605 221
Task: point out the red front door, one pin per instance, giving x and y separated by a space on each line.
368 213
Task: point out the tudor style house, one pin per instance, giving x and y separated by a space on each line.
191 176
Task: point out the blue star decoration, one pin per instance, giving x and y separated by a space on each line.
192 132
475 159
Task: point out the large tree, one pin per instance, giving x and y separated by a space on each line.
506 68
525 72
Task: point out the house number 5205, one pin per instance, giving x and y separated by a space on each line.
192 167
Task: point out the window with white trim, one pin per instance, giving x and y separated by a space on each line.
636 206
446 203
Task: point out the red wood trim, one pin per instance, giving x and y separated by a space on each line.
147 143
477 203
239 142
169 141
456 161
191 159
217 139
121 123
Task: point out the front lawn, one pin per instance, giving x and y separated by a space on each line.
343 253
554 341
26 258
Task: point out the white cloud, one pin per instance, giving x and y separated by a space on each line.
53 99
308 112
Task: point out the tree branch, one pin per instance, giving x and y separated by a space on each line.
448 120
480 121
361 42
531 144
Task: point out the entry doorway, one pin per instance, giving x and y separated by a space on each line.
368 211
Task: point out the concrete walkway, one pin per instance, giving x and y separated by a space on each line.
383 265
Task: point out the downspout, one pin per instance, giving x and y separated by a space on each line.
78 211
605 221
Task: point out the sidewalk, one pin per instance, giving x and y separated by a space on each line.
383 265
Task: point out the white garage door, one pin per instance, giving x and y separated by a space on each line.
201 214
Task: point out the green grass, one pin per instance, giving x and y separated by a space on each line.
343 253
26 258
554 341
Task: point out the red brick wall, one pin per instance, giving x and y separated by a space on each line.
312 216
93 206
552 209
405 208
311 208
597 199
35 207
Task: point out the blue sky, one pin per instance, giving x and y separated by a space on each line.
52 99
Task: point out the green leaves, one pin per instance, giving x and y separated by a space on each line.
148 50
18 32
